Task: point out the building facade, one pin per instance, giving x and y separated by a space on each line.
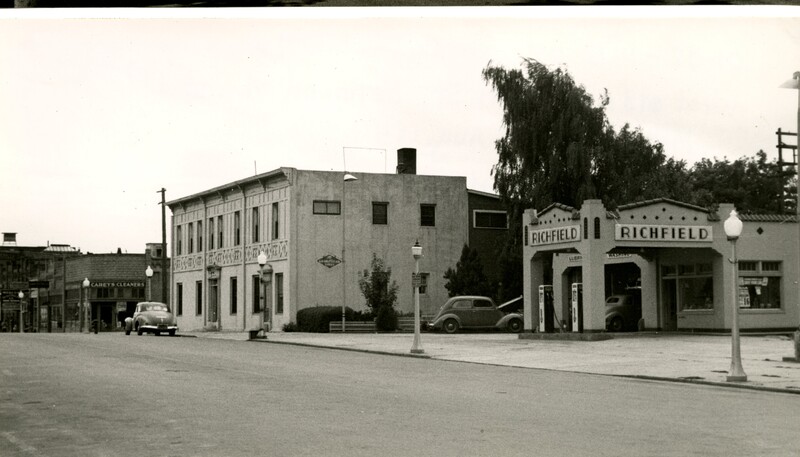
319 231
675 255
55 299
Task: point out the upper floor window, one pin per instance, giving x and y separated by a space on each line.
199 236
211 233
275 221
179 237
327 207
427 215
380 213
255 225
220 232
490 219
190 229
237 228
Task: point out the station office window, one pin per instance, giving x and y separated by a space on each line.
330 207
691 284
490 219
759 285
427 215
380 213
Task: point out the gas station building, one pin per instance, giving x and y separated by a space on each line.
675 256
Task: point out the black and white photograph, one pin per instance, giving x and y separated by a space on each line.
236 228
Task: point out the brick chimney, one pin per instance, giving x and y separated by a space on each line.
406 161
9 239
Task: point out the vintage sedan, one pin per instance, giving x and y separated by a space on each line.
474 312
623 312
152 317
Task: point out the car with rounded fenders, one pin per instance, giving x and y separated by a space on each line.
475 312
151 317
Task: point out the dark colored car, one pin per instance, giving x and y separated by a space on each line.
152 317
623 312
474 312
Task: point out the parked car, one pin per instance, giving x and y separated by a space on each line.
623 312
151 317
474 312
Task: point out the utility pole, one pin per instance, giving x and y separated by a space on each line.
164 296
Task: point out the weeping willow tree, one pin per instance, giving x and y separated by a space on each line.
559 147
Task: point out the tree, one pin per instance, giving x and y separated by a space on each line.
380 293
468 277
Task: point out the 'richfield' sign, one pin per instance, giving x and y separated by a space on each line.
555 235
682 233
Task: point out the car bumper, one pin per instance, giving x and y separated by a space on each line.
159 328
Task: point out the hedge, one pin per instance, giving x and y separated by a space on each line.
316 319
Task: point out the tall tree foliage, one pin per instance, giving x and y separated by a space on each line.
380 292
468 277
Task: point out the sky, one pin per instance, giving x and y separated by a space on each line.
100 109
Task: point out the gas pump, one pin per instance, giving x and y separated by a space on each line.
577 307
545 308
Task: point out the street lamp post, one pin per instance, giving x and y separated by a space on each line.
347 178
416 252
733 229
794 83
149 273
21 295
85 305
265 273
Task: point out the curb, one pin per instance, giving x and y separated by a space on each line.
640 377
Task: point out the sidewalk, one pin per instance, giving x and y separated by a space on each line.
674 357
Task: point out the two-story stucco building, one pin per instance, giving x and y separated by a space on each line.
676 255
319 231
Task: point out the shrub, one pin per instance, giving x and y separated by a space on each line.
290 327
386 320
316 319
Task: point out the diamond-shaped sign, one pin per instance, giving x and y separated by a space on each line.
329 260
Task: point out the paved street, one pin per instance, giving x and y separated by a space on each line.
111 395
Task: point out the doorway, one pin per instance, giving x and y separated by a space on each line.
669 304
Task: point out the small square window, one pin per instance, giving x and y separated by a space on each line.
427 215
380 213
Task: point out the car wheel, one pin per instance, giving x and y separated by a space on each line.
127 332
172 333
616 324
158 333
139 330
515 326
450 326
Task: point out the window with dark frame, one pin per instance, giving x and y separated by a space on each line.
380 213
237 228
427 215
279 293
256 297
179 238
190 230
220 232
255 225
198 310
199 236
234 295
179 297
491 219
329 207
275 221
210 233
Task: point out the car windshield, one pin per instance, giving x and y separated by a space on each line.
612 300
155 308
